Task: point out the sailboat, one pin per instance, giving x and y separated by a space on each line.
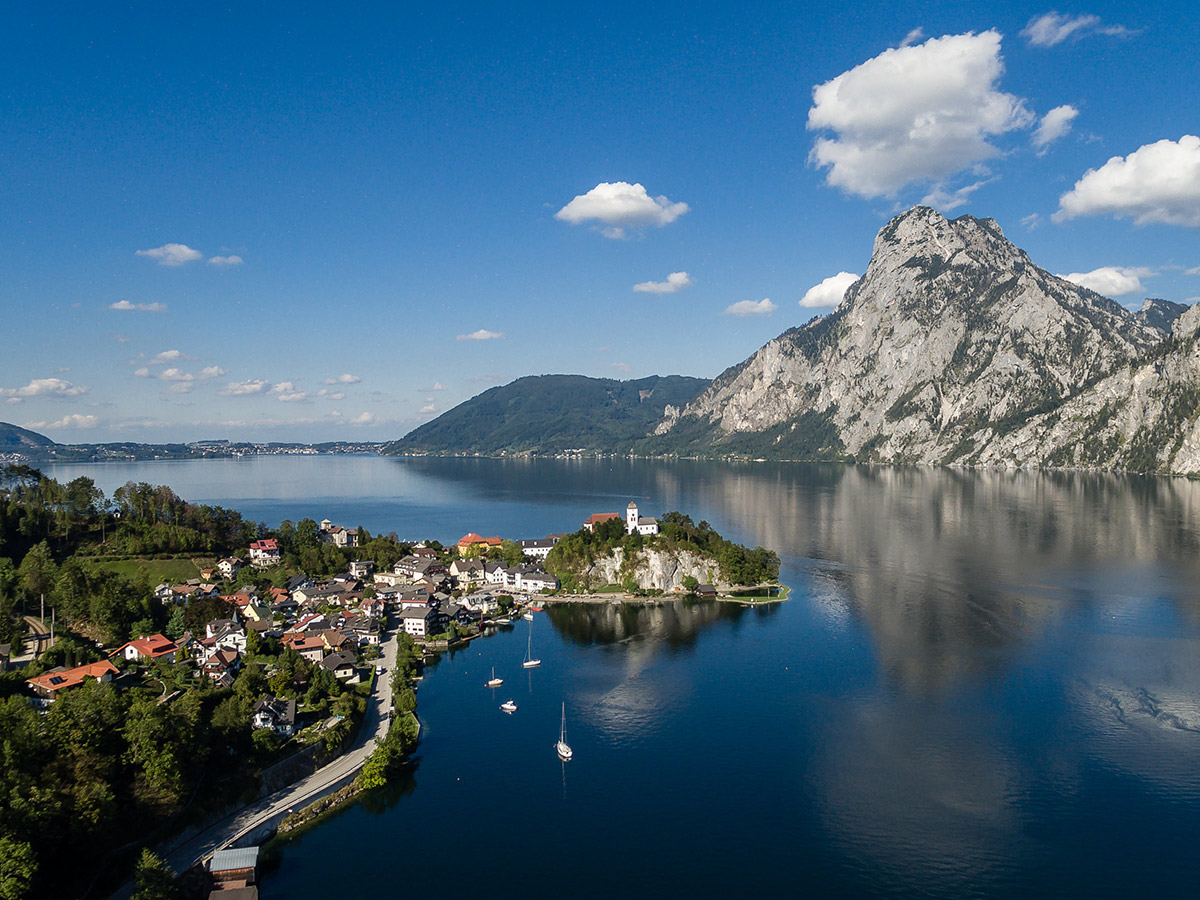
509 706
563 748
494 681
530 662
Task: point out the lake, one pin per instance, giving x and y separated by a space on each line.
985 684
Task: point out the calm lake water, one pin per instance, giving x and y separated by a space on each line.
984 685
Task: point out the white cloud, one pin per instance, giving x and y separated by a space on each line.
141 307
428 408
181 382
365 418
244 388
45 387
744 308
1192 271
913 36
344 378
1054 125
917 113
75 420
225 261
1053 28
1158 182
947 200
327 394
620 205
676 281
438 386
829 292
287 392
1111 281
1032 221
14 400
621 366
481 335
172 254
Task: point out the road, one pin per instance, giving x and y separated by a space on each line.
268 812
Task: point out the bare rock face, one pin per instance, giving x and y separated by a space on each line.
954 348
659 569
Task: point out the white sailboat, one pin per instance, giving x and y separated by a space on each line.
494 681
563 748
509 706
530 662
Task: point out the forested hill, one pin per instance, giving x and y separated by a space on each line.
14 439
553 414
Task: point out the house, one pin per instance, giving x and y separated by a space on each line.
590 523
342 666
424 622
496 573
538 549
337 535
226 634
152 647
471 544
415 598
277 714
311 647
466 571
232 869
221 666
228 567
424 552
635 524
336 640
361 568
60 679
535 580
298 582
481 603
264 553
373 608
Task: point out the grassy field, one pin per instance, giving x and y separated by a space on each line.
171 571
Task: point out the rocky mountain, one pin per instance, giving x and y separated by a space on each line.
954 348
553 414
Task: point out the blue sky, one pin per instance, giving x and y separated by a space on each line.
314 222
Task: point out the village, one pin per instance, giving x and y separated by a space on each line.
306 654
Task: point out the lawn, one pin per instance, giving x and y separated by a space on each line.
172 571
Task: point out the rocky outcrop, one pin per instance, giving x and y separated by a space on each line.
650 569
954 348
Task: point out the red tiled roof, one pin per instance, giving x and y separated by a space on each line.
152 646
597 518
56 681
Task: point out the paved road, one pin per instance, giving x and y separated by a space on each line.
271 810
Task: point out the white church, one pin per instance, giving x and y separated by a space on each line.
639 524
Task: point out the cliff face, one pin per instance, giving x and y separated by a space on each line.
660 569
954 348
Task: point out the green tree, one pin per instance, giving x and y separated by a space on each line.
690 584
18 868
154 879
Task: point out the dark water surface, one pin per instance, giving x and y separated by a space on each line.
984 685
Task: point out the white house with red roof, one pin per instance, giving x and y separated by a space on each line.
264 553
152 647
